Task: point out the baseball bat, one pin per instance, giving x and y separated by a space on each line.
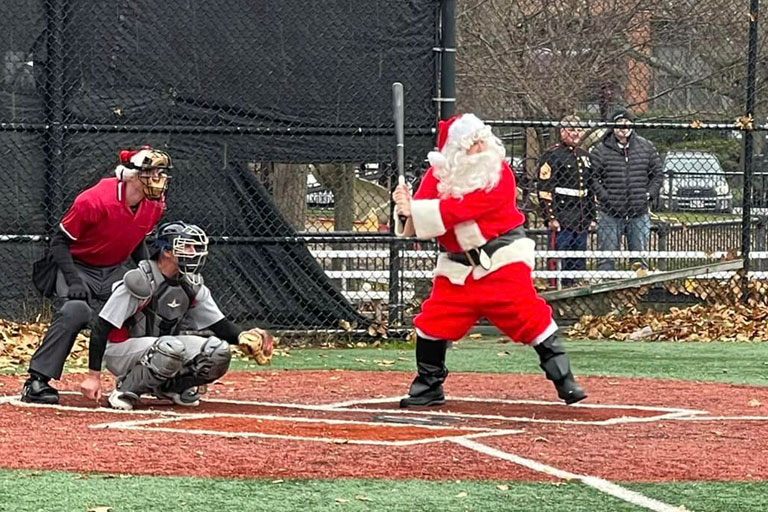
399 114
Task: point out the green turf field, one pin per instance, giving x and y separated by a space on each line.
736 363
84 492
742 363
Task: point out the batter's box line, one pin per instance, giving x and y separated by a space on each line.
16 402
146 425
599 484
668 413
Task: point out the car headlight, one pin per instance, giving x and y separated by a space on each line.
722 189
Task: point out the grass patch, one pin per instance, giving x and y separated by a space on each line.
81 492
735 363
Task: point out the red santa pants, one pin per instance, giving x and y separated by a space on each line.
505 297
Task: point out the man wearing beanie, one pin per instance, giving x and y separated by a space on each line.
626 177
105 225
466 201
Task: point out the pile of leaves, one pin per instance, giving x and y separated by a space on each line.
701 322
18 341
721 314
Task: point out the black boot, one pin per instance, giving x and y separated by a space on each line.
554 362
36 390
427 387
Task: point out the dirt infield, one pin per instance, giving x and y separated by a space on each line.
334 424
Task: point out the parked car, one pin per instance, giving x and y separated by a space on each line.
694 181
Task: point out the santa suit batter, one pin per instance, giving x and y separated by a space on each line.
466 201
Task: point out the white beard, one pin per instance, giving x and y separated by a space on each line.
463 173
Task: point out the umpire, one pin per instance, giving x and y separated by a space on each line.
567 203
105 225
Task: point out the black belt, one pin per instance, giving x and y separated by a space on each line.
481 256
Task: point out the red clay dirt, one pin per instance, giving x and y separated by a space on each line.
649 449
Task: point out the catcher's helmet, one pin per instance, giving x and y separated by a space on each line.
188 243
151 165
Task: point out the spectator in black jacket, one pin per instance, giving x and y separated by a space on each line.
626 177
567 203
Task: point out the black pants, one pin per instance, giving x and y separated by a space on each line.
72 316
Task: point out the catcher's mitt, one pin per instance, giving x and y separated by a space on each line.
257 344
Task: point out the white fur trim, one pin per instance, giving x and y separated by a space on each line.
422 334
521 250
140 156
123 172
436 159
464 128
426 218
468 235
453 270
549 331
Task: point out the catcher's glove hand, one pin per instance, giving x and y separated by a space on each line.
257 344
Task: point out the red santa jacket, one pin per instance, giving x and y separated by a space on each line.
470 222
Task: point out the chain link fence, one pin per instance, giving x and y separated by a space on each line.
278 117
628 230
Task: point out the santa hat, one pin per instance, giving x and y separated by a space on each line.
132 160
456 133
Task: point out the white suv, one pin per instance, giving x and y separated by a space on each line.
694 181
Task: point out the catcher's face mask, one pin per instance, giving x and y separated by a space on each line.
190 248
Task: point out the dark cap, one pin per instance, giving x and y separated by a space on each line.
623 114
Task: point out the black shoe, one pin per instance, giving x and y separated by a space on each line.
434 396
36 391
568 390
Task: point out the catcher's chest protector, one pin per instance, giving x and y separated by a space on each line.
166 309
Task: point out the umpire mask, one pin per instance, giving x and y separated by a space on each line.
151 166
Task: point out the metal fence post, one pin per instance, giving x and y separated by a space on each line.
748 146
662 233
447 96
760 241
53 106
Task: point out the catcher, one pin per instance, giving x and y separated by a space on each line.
137 335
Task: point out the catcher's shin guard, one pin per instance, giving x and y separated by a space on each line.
207 366
557 368
427 387
161 362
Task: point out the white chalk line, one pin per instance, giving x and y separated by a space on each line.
149 425
667 412
599 484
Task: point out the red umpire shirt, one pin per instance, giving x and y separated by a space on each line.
103 228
